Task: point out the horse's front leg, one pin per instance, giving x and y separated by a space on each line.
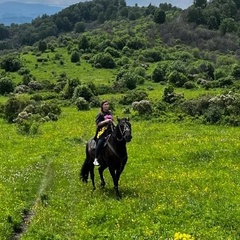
115 176
100 170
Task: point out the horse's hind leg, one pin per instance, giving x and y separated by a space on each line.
100 170
92 176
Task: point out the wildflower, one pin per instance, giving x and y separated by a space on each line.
183 236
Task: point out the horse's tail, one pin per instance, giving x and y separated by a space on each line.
85 169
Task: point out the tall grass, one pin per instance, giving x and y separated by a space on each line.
180 178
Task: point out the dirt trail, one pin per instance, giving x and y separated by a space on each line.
42 199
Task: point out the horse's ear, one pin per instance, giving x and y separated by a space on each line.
128 119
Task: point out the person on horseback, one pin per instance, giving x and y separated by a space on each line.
104 125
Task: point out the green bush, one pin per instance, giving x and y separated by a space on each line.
10 63
114 53
82 104
75 57
143 107
14 106
170 96
196 107
133 96
83 91
6 85
178 79
104 60
158 74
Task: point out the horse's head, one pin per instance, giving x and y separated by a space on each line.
125 129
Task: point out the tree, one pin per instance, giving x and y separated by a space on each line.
104 60
6 85
177 78
195 14
79 27
83 91
4 32
158 74
200 3
42 46
159 16
11 63
228 25
75 57
83 43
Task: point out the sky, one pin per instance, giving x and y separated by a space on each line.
66 3
62 3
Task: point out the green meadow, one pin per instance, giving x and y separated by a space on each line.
181 182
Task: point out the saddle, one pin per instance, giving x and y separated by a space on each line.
93 143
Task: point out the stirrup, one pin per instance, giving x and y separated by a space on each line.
96 163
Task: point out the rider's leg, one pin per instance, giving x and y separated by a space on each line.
99 146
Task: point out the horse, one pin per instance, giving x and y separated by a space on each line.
113 155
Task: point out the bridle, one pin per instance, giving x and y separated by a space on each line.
126 128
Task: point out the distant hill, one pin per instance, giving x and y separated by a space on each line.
181 4
15 12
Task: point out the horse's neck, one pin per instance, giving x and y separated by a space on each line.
116 137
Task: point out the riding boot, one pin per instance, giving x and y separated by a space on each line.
96 163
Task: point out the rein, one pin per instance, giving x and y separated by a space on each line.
126 128
121 139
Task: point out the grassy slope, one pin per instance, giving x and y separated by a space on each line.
179 177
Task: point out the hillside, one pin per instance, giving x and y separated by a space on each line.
176 76
134 58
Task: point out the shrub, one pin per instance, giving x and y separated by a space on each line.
83 91
114 53
213 114
158 74
105 60
29 127
189 85
75 57
103 89
6 86
11 63
47 108
82 104
153 55
14 106
68 90
170 96
178 79
236 71
144 107
35 85
21 89
130 80
23 71
196 107
133 96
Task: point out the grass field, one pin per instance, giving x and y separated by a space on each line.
180 179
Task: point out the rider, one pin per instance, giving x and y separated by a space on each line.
104 123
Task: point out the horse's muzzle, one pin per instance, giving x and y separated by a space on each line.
128 138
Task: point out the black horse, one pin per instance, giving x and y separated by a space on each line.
113 156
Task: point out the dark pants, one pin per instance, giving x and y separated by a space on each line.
99 146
